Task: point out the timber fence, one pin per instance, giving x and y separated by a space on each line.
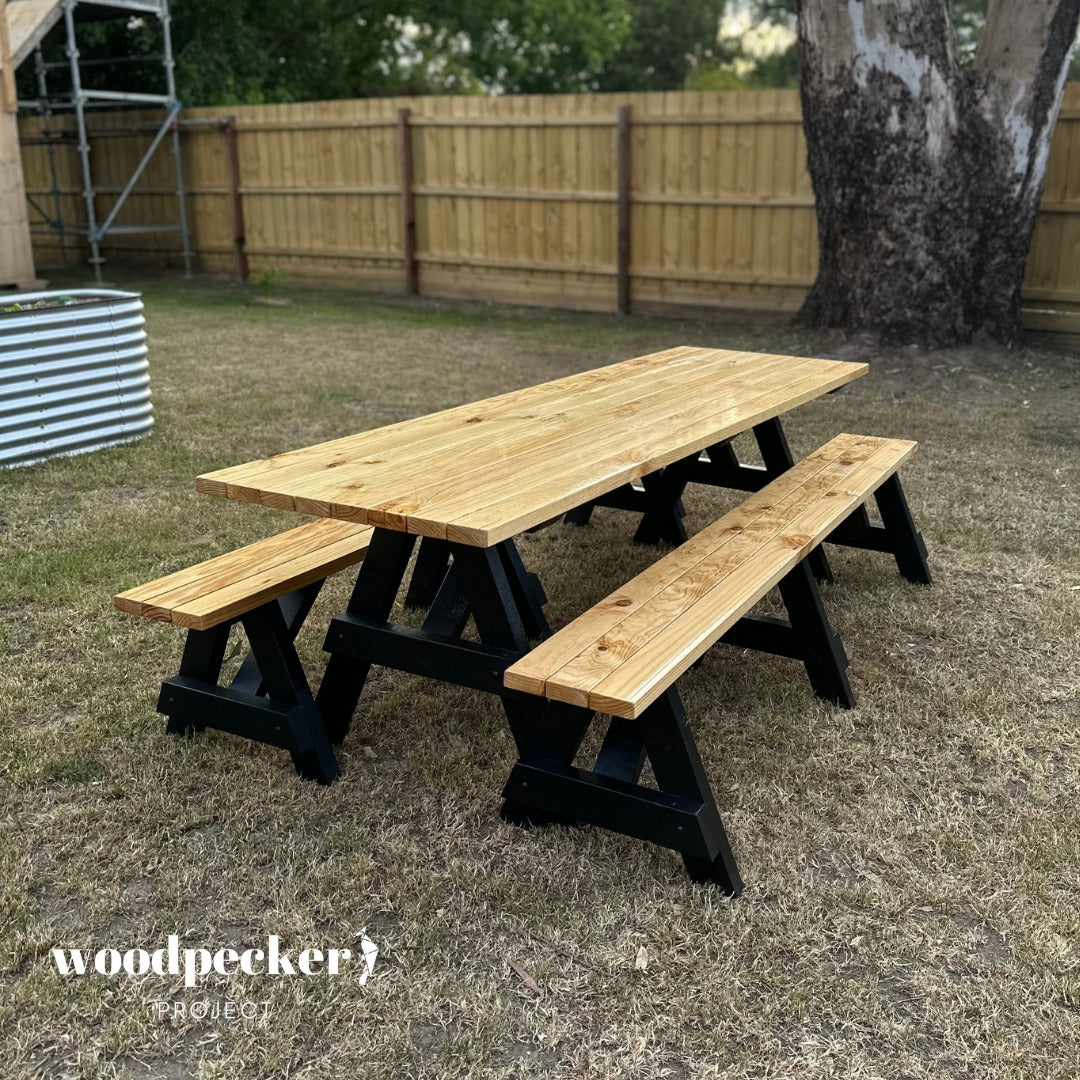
605 201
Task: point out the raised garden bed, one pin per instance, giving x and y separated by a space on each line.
74 375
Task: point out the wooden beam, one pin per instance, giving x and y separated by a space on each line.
408 208
7 74
622 149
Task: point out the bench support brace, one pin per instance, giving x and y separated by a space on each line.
896 535
680 813
819 646
268 700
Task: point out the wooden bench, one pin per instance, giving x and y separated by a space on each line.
268 587
624 655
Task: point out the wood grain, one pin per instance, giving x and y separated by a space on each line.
207 594
483 472
619 656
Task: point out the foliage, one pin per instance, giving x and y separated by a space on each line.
667 41
736 69
268 279
254 51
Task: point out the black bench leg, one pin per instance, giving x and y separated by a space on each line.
680 813
818 645
432 563
294 607
679 771
558 730
204 653
287 718
622 754
373 596
906 541
777 459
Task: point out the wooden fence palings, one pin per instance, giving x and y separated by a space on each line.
518 198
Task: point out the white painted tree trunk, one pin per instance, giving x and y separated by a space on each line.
928 173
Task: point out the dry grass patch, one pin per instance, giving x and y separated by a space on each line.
912 908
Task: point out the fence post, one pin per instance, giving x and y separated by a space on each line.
408 210
622 153
232 164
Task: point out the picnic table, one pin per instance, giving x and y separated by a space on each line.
474 477
632 435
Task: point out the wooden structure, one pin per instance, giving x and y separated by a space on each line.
602 201
22 24
622 654
482 473
632 435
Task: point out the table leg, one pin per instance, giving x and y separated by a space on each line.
662 519
432 564
490 585
373 596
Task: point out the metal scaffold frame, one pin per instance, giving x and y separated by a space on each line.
82 100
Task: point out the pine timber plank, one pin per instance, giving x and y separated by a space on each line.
480 473
623 653
533 671
207 594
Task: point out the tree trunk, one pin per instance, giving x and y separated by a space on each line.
927 172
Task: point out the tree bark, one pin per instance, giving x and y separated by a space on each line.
927 172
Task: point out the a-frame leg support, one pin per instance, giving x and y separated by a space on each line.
268 701
680 813
896 534
806 635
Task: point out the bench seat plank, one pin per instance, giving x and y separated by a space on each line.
222 588
621 655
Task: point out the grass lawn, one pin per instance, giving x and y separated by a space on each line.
912 866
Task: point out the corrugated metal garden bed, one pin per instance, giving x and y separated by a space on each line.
74 374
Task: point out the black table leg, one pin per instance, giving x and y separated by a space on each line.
373 596
506 609
663 508
432 564
528 592
580 514
490 585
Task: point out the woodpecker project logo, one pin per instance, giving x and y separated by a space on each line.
194 964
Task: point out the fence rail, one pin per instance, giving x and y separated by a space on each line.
603 201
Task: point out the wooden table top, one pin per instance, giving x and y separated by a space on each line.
482 473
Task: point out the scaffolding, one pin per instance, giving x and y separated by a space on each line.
82 100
